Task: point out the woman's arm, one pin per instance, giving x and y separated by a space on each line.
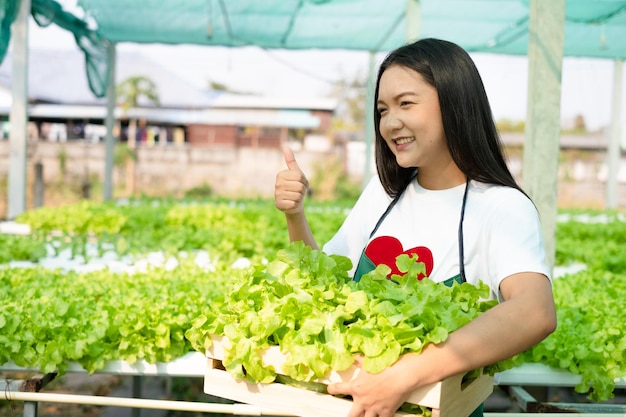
525 317
299 229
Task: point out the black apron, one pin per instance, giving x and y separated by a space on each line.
366 265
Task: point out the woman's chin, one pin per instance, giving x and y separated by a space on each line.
403 163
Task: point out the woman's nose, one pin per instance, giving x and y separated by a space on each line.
392 121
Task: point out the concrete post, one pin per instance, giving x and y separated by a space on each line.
546 35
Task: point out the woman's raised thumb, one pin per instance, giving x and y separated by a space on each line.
290 159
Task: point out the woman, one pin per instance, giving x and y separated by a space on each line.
443 191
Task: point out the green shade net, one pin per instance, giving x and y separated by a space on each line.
90 42
45 12
593 28
8 13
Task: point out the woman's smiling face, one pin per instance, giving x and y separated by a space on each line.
410 120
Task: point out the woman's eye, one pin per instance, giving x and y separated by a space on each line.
381 110
405 103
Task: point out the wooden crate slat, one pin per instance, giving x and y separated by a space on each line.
278 397
448 398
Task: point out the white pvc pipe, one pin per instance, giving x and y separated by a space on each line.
235 409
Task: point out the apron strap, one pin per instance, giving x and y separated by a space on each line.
461 254
390 206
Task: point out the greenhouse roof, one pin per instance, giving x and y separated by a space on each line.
594 28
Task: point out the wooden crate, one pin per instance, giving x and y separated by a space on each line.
446 399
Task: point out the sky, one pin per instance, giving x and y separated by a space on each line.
587 84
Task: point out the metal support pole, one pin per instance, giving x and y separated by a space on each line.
137 389
369 118
613 154
109 140
412 21
412 30
39 187
30 409
19 114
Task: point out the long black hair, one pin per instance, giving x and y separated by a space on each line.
471 134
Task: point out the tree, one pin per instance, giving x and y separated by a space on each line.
132 92
351 96
217 86
579 123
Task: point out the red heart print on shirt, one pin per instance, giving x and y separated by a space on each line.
385 250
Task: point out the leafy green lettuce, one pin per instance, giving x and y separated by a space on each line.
305 302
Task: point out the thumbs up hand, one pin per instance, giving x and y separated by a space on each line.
291 186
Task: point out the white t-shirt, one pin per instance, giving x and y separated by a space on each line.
501 231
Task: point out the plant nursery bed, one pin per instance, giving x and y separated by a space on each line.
452 397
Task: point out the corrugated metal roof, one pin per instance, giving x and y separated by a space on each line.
59 77
237 117
247 101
